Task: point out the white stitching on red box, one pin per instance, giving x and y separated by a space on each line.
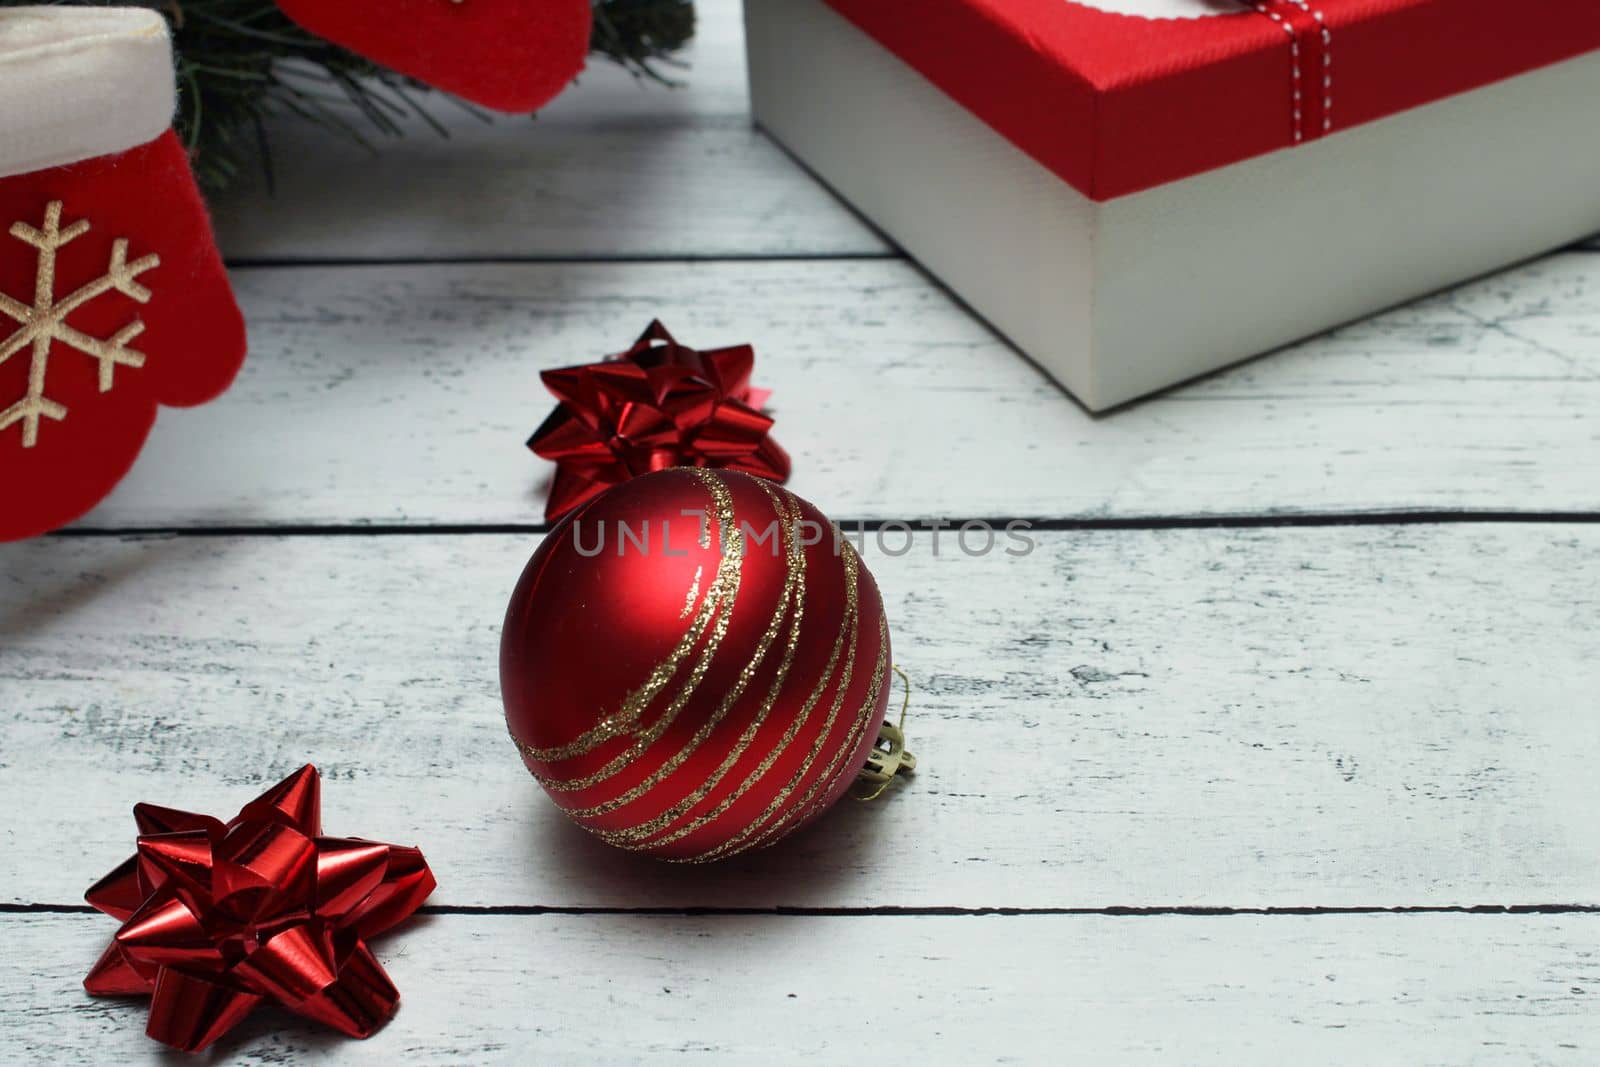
1297 87
1327 62
1294 60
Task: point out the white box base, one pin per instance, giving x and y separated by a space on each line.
1120 298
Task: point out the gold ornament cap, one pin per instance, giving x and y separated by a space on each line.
889 758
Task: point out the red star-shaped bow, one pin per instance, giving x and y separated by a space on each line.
660 404
220 917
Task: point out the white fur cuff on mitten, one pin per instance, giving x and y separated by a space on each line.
76 83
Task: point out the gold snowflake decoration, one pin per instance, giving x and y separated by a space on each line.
45 321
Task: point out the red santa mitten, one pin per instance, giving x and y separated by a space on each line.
510 55
113 299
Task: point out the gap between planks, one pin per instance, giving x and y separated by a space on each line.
299 262
295 262
851 526
1128 911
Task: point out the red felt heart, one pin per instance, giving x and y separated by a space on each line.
510 55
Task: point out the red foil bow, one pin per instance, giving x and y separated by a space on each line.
660 404
220 917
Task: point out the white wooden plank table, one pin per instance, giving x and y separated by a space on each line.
1280 746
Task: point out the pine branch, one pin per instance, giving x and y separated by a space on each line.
640 33
242 62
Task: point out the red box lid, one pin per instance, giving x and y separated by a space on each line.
1116 103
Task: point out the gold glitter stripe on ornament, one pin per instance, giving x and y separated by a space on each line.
692 594
867 722
846 625
644 739
816 796
724 587
794 589
815 799
792 593
849 625
849 628
706 728
720 597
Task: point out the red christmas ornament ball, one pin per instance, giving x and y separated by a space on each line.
695 664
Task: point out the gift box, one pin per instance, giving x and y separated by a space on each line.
1137 192
113 299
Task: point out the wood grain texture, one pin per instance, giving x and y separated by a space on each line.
1346 716
615 166
1366 716
404 395
1417 989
